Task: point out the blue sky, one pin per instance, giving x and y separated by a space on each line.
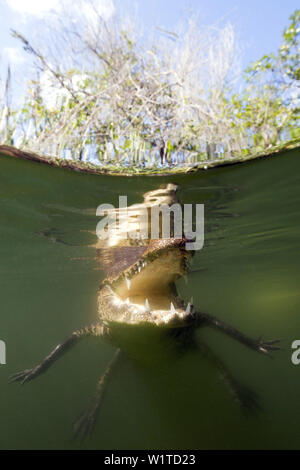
258 23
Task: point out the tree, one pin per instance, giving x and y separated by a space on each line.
105 90
272 96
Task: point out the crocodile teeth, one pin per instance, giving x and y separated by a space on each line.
139 269
128 282
185 279
172 309
147 306
192 301
188 308
127 301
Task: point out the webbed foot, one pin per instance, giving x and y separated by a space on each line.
247 399
30 374
265 347
84 426
259 345
25 375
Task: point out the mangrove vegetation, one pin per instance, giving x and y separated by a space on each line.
103 93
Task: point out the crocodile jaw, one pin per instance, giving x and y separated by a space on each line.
114 309
154 277
146 294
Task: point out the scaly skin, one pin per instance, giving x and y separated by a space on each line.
139 289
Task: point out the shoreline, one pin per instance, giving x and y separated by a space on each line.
83 167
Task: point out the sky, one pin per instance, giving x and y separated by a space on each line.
258 23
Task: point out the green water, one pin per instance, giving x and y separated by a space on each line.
247 274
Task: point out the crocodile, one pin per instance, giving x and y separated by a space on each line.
139 289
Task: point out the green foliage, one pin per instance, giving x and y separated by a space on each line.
134 107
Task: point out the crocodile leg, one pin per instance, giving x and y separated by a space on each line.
244 396
85 424
259 345
57 352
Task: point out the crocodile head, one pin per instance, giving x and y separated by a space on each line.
140 283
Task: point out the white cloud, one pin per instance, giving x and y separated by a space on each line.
104 8
14 55
40 8
33 7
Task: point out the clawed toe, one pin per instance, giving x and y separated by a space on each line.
265 347
249 402
19 376
23 376
83 428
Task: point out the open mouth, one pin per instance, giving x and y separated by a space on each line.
148 285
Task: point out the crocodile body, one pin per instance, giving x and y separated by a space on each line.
139 288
